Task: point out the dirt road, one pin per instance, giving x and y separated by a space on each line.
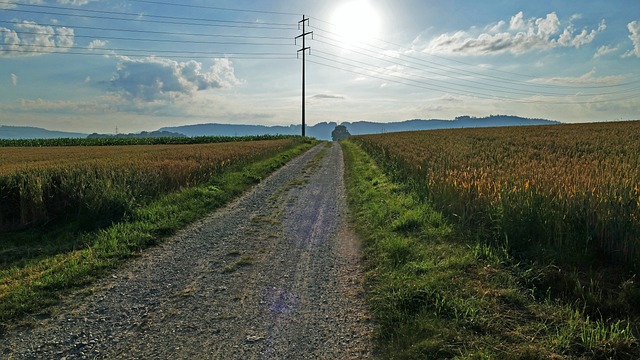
275 275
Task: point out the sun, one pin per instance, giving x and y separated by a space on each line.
356 21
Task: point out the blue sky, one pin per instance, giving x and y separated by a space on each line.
92 66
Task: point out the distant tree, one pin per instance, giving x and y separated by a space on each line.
340 133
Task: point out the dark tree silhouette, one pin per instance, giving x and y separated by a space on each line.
340 133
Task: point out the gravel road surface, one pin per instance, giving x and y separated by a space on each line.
274 275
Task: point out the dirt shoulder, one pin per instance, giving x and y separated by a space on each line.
275 275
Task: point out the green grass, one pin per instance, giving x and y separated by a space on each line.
39 265
437 292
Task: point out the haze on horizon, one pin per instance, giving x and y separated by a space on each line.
91 66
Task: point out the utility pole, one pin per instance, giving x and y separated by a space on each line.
304 22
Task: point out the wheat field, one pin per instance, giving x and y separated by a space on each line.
568 190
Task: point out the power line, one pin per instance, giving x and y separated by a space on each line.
412 82
454 79
215 8
434 55
156 32
100 37
136 50
412 77
409 79
138 16
488 87
225 25
468 83
247 56
406 81
480 96
450 69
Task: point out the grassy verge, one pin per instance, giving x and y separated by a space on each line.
437 293
69 259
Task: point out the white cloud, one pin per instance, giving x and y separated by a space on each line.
523 35
94 44
604 50
31 39
10 4
568 38
152 79
14 79
494 28
517 22
547 26
74 2
634 35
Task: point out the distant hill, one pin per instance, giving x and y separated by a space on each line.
27 132
323 130
140 135
320 131
366 127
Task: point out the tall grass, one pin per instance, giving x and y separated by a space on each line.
549 190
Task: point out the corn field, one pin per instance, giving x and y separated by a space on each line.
568 189
91 184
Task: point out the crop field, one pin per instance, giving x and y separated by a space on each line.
101 183
114 141
70 213
505 243
550 191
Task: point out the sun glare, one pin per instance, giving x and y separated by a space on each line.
356 21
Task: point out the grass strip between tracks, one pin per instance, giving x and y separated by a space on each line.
35 284
434 293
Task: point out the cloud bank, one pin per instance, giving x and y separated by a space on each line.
519 36
151 79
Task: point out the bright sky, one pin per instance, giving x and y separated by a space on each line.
94 65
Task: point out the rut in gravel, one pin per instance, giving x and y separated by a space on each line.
275 275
